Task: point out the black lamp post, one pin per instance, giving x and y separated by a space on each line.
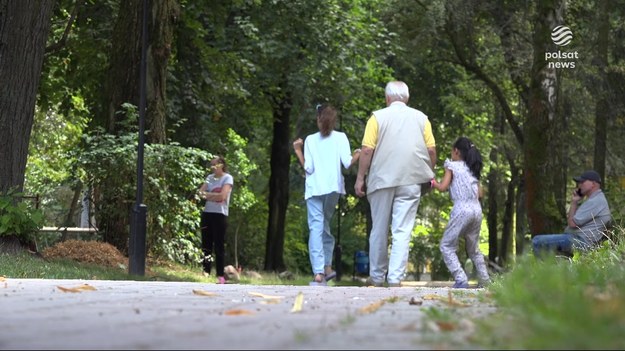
138 215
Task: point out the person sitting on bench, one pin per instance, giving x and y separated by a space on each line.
586 223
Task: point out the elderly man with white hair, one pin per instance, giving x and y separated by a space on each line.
398 155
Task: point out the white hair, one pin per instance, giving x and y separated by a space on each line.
397 91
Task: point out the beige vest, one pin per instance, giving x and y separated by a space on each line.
400 156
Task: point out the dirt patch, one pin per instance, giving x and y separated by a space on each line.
95 252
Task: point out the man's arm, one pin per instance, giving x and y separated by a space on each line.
430 143
366 154
573 209
432 153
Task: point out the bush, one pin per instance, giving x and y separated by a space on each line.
17 218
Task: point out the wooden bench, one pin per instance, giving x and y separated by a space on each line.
67 231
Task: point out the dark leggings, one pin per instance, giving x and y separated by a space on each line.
213 234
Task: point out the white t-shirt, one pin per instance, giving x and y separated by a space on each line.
323 157
214 185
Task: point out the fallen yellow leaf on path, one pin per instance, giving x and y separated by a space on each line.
204 293
265 296
77 289
372 307
270 301
238 312
299 302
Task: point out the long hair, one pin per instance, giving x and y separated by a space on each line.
470 155
326 115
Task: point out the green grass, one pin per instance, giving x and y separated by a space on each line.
25 265
560 304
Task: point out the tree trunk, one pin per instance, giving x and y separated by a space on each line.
603 108
493 184
164 15
542 162
278 186
508 216
24 27
123 86
124 83
521 216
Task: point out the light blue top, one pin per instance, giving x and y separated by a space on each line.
323 157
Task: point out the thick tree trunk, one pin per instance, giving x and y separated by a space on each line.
164 15
278 187
603 108
123 85
124 82
542 162
24 27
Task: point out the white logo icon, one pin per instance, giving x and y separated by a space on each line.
561 35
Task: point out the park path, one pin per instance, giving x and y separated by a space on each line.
101 314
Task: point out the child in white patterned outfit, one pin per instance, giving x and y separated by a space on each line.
462 174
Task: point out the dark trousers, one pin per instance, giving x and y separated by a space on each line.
213 235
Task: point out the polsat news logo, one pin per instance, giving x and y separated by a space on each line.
561 36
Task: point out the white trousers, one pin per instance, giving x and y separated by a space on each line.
396 207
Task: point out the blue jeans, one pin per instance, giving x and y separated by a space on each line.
562 243
320 240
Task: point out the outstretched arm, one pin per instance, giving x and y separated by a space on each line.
355 157
444 184
297 145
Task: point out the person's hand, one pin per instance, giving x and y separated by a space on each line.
576 196
356 153
359 187
298 143
434 183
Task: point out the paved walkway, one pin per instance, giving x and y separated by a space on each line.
101 314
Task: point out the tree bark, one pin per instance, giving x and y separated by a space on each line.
124 82
542 162
491 219
603 108
278 186
123 85
24 27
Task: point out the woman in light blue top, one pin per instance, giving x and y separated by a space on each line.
324 153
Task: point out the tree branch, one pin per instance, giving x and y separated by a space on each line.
61 42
